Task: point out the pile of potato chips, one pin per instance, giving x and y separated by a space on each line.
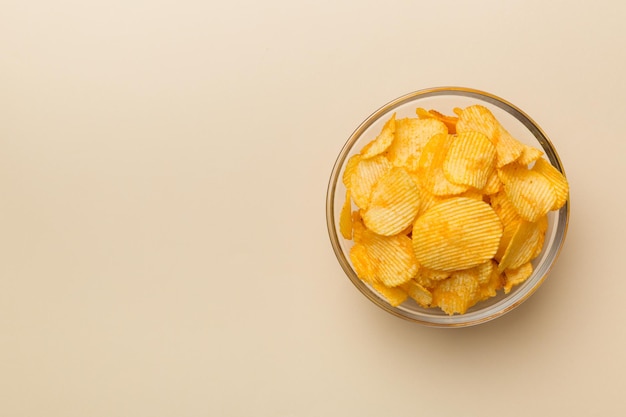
447 210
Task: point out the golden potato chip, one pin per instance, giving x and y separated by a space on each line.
543 227
420 294
350 169
490 289
366 173
455 234
395 295
516 276
479 119
531 193
493 184
364 265
358 228
522 244
345 217
449 121
428 278
556 179
483 272
529 155
456 294
431 163
470 160
394 203
503 207
411 136
508 231
385 259
382 141
508 149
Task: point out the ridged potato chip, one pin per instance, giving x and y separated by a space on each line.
523 244
394 203
345 217
455 234
508 149
456 294
382 141
350 169
430 168
411 136
490 289
420 294
391 259
358 228
449 121
428 278
529 155
530 192
395 295
556 179
470 160
478 118
366 173
517 276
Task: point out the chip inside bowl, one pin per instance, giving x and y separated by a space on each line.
447 210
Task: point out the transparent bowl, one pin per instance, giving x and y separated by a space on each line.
445 99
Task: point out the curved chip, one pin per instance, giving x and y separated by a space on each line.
516 276
420 294
449 121
529 155
470 160
366 173
350 169
385 259
523 244
431 170
394 295
556 179
508 149
530 192
382 141
345 217
478 118
456 294
412 134
394 203
455 234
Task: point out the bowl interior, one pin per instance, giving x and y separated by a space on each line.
520 126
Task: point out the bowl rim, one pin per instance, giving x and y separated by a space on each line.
510 108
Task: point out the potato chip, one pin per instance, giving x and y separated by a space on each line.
455 234
390 259
411 136
350 169
382 141
493 185
358 228
366 173
456 294
364 265
394 203
345 217
395 295
470 160
517 276
503 207
529 155
490 289
449 121
522 244
531 193
431 163
420 294
508 149
556 179
479 119
428 278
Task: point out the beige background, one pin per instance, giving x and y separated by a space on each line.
163 246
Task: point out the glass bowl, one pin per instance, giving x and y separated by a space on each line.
445 99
